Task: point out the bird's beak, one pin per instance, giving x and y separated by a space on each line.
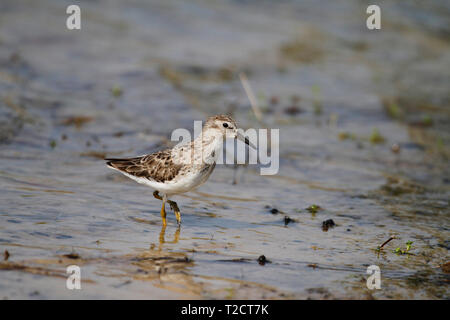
239 136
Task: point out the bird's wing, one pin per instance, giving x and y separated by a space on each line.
158 166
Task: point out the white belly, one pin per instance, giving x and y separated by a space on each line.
179 184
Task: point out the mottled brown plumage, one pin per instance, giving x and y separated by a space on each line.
157 166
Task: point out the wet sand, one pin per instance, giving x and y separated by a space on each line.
364 139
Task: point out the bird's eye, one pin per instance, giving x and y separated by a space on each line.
225 125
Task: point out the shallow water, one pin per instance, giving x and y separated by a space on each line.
135 72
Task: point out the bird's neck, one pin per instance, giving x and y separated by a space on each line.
210 145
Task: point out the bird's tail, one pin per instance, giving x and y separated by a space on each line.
114 163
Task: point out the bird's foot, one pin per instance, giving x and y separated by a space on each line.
156 195
176 210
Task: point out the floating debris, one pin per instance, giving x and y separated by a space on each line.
262 260
272 210
52 144
288 220
385 243
327 224
72 255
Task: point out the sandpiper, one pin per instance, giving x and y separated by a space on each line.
183 167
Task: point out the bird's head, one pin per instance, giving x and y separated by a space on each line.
225 126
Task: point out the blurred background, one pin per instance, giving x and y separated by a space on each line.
364 141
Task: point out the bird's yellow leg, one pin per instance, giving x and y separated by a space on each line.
163 208
163 212
176 210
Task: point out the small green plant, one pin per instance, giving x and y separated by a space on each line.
376 137
313 208
407 249
408 245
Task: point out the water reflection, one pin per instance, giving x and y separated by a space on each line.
162 240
